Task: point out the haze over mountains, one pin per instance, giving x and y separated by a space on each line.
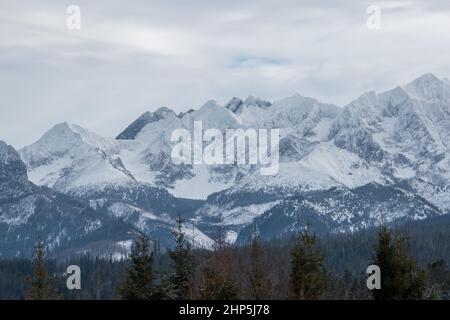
383 158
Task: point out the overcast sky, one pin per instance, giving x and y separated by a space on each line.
133 56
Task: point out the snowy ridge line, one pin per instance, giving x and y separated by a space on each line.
340 169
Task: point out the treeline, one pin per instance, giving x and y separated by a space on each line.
303 268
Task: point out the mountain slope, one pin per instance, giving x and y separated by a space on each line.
148 117
29 213
341 160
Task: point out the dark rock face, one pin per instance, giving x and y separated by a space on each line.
360 142
235 105
29 214
148 117
13 175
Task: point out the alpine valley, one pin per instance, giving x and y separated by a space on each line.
383 158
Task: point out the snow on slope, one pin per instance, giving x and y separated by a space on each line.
402 133
237 215
376 143
291 176
144 221
69 156
342 166
200 186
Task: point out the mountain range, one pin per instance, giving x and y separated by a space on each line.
383 158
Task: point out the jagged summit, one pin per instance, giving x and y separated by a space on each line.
209 104
426 78
12 169
258 102
134 128
7 153
182 114
235 105
428 87
214 115
352 162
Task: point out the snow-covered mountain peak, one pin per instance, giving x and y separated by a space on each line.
69 156
258 102
7 154
235 105
209 104
63 134
337 166
239 106
214 115
158 129
365 100
250 100
296 101
63 129
13 174
428 87
424 80
64 138
299 104
164 112
54 143
136 126
393 96
380 132
304 115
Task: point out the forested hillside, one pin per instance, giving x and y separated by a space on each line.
269 264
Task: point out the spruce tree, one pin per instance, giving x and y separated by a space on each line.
401 278
41 284
308 276
260 285
216 285
216 282
138 284
438 280
183 265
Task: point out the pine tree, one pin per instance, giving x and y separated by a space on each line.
183 265
401 279
438 280
216 285
260 285
216 282
308 276
138 284
41 285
